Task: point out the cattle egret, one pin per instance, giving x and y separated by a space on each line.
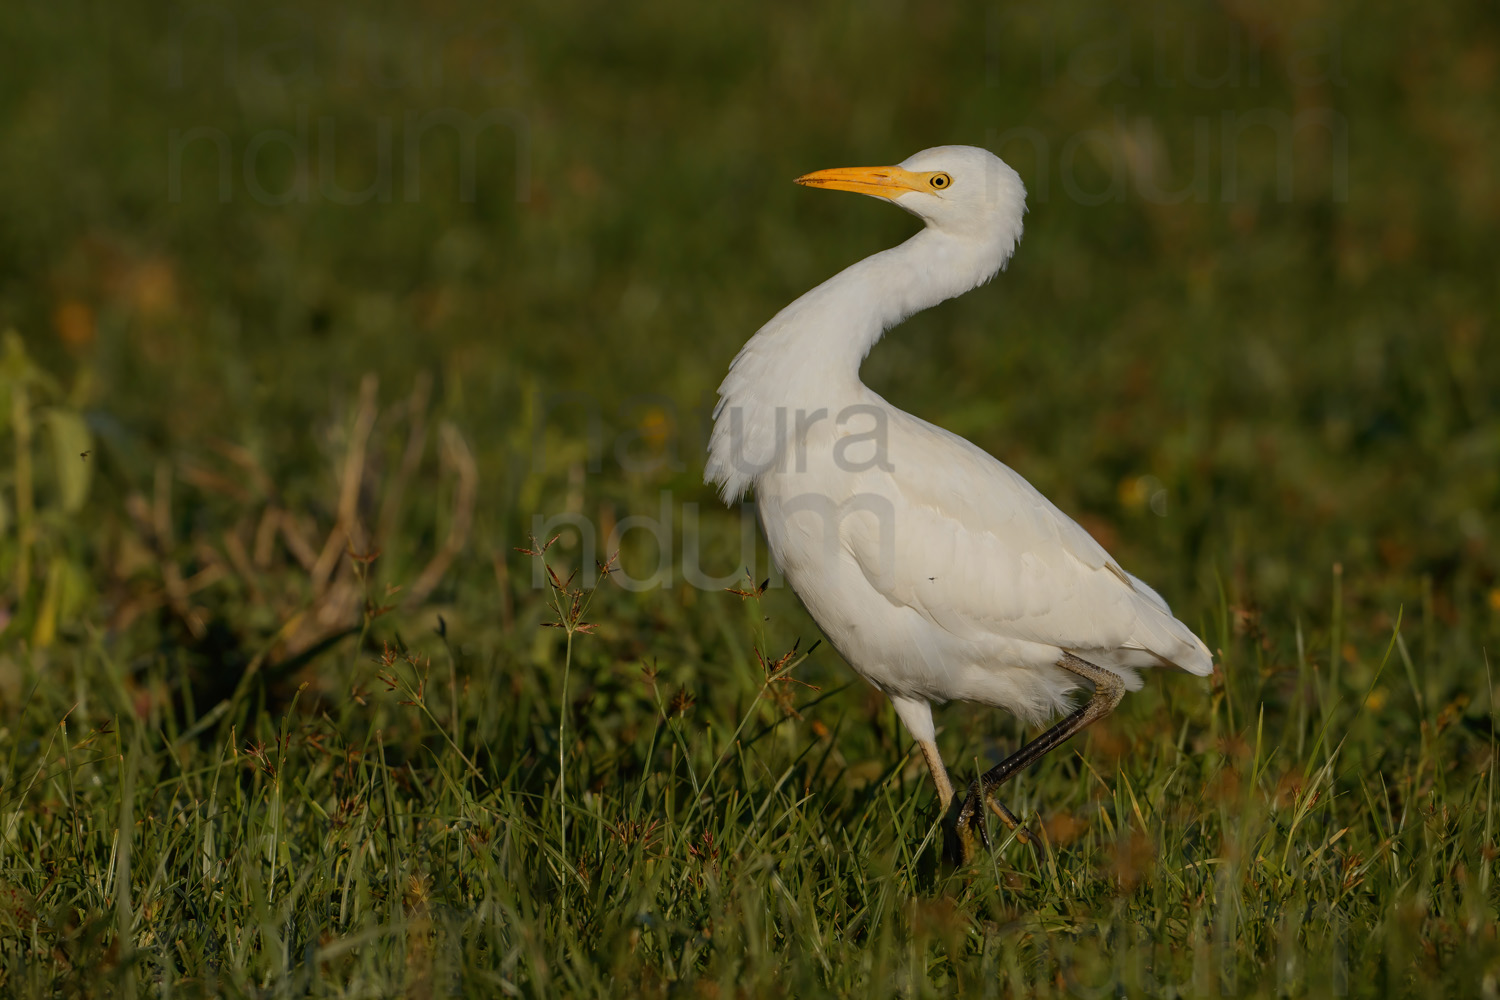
934 569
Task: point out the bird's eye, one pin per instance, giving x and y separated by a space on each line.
939 181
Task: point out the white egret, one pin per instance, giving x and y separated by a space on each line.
934 569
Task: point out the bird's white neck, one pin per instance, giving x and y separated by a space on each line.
808 356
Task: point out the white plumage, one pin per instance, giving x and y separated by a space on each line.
935 570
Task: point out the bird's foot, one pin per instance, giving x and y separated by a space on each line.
970 831
968 828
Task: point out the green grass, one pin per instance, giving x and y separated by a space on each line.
280 712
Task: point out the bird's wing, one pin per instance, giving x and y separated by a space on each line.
977 550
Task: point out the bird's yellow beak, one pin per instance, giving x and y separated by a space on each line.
877 182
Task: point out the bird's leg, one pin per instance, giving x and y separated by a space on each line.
1108 690
939 772
951 847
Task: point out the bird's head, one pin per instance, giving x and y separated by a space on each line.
962 190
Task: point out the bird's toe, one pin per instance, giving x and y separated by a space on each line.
1023 834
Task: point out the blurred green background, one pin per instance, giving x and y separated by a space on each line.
263 322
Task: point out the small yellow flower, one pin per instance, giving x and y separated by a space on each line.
1133 492
656 427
